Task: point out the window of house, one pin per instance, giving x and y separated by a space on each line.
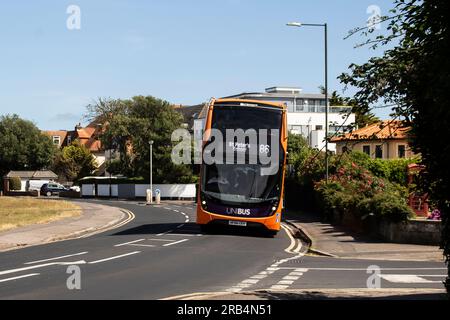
69 140
366 150
56 140
402 151
379 152
300 105
320 127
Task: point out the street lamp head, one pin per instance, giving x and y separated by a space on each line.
151 142
294 24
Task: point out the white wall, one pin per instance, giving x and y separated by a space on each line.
23 184
168 190
103 190
318 119
318 141
88 190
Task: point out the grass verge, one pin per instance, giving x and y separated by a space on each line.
18 212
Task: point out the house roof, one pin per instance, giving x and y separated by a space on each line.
190 113
41 174
85 133
60 133
384 130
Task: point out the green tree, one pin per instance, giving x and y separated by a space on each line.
414 76
130 125
23 146
74 162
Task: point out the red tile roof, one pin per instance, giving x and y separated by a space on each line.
389 129
59 133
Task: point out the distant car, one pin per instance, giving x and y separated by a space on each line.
50 189
75 188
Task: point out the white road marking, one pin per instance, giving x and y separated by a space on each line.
142 245
57 258
127 243
174 243
297 244
20 277
405 278
163 240
250 281
115 257
298 274
41 266
164 233
286 282
291 278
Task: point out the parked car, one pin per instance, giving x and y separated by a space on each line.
50 189
35 185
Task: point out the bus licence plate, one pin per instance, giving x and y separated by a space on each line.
238 223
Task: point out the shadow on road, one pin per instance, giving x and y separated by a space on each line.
192 228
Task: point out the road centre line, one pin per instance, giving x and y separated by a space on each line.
142 245
57 258
20 277
115 257
42 266
174 243
127 243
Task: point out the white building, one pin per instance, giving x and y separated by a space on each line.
306 114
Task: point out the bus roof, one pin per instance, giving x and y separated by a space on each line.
258 102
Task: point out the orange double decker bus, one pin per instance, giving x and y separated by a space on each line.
242 183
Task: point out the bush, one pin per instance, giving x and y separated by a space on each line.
355 191
395 171
15 184
387 206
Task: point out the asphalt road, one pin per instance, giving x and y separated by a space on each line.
162 253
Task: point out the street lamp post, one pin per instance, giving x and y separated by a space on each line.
325 26
151 170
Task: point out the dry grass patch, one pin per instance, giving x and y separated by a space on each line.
17 212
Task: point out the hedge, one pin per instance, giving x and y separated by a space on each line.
15 184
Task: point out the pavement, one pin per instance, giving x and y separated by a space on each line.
94 218
340 242
162 254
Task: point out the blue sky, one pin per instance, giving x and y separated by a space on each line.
181 51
